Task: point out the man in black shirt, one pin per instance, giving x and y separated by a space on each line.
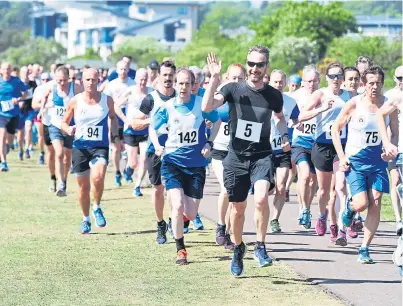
249 160
150 103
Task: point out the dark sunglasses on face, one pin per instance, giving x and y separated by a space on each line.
258 64
399 78
338 76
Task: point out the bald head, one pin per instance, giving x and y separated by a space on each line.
399 77
141 77
122 69
90 73
5 70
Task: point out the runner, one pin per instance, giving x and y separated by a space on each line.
44 119
362 63
115 89
294 83
56 98
302 142
365 170
90 110
114 74
281 159
135 140
324 106
148 107
235 73
394 109
12 93
27 116
152 71
249 156
184 154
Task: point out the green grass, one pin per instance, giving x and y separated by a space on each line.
387 213
45 262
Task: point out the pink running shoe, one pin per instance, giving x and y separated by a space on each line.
341 238
333 233
351 232
320 226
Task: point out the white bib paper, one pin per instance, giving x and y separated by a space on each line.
248 130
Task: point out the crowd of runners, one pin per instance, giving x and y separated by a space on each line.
338 142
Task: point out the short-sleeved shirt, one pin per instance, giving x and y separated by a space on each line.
114 75
250 112
13 88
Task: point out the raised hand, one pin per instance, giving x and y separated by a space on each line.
213 64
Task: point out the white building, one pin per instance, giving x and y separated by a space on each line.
80 25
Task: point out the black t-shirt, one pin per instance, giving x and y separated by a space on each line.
147 104
250 112
31 86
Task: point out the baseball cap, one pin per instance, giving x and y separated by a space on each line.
295 78
46 76
153 64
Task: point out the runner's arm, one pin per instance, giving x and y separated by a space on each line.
314 108
68 116
118 107
341 121
386 109
214 130
113 121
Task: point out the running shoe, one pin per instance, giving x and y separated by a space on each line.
41 160
197 223
52 186
170 230
275 226
320 226
228 244
333 232
341 238
305 218
260 255
99 217
347 214
20 155
399 190
4 167
237 259
358 223
137 192
351 232
162 233
181 257
27 155
287 196
363 256
61 190
118 179
128 173
399 228
85 227
220 234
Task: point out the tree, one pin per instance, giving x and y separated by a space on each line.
38 50
384 53
293 53
319 23
390 8
90 54
13 38
141 48
15 15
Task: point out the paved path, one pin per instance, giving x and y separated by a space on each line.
320 262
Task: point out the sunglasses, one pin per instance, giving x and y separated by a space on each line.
399 78
338 76
258 64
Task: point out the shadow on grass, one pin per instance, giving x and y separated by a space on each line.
303 259
351 281
128 198
126 233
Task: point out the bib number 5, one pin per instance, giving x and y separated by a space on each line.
248 130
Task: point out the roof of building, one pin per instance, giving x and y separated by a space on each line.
166 19
178 2
378 20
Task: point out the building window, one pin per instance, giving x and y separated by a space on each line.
182 10
142 9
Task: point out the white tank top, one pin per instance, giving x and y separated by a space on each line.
157 103
134 103
390 94
91 123
325 120
57 112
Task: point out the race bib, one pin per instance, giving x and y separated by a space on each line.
248 130
188 138
7 105
276 143
372 138
308 129
59 111
224 129
328 131
93 133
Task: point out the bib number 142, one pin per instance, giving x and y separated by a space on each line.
188 138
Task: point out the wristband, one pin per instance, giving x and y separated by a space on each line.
210 143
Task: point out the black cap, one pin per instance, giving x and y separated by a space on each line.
153 64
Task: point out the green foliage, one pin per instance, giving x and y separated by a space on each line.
142 49
384 53
38 50
391 8
90 54
15 15
319 23
13 38
231 15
